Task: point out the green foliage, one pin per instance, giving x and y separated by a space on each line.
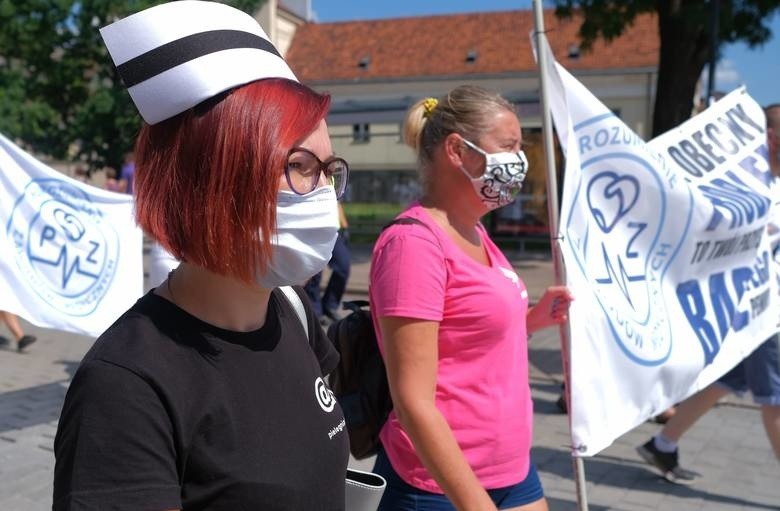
371 211
366 219
59 92
740 20
686 40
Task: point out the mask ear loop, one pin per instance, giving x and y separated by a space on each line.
474 147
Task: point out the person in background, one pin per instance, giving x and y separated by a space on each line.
113 183
127 174
329 303
209 393
21 341
160 262
82 173
759 372
453 319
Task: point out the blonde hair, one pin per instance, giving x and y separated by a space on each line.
465 110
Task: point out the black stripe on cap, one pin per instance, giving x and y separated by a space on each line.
175 53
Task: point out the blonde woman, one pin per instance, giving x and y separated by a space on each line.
453 319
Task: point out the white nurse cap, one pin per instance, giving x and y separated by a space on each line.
173 56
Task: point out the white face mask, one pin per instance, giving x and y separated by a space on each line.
502 178
306 230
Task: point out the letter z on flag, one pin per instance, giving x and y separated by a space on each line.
70 253
666 250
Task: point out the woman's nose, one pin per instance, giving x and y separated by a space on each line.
323 180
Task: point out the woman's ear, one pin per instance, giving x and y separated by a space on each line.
453 149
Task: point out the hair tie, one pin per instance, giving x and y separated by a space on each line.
429 105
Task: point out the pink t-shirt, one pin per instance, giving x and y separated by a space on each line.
482 380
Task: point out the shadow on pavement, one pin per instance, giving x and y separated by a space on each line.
547 360
546 406
629 474
36 405
69 366
31 406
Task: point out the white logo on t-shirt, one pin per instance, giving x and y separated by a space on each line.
511 275
338 429
325 396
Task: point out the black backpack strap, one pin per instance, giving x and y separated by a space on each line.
406 220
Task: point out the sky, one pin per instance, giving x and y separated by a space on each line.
757 68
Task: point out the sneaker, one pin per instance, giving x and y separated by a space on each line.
561 404
666 463
24 342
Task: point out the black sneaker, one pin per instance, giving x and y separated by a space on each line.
561 404
666 463
24 342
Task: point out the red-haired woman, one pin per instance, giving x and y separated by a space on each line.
207 393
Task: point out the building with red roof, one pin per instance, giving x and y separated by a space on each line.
375 69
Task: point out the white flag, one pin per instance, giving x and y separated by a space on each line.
666 253
70 253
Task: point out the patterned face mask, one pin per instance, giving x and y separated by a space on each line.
501 179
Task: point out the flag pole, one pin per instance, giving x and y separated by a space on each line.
552 214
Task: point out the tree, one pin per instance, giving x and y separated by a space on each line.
60 94
686 41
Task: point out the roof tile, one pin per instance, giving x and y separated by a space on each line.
435 46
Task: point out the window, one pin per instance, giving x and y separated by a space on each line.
361 133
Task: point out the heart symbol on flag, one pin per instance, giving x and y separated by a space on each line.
610 197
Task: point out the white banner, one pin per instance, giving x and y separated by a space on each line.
70 253
666 254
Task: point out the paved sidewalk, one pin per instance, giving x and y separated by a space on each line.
728 446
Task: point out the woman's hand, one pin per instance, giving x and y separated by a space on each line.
552 309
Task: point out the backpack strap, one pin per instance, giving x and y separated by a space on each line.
295 300
406 220
297 304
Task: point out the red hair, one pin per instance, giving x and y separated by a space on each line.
206 180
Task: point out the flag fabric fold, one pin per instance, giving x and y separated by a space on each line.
70 253
666 253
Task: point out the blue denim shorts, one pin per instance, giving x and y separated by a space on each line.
400 496
759 373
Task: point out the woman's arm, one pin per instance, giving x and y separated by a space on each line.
552 309
115 446
411 357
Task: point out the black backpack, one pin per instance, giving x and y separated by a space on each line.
360 380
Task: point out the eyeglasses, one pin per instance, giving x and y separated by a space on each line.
303 171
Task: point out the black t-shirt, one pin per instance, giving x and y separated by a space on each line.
169 412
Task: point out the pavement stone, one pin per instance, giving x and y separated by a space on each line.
727 446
